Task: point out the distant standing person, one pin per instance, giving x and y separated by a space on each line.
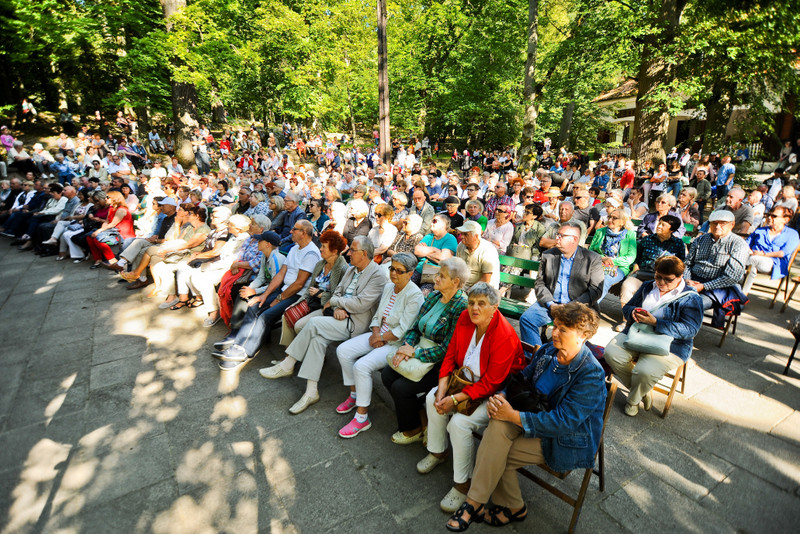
28 111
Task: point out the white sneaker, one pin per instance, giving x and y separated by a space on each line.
50 241
303 404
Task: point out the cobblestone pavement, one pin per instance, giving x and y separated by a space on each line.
114 418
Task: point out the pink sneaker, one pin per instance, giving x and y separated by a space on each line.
347 406
354 428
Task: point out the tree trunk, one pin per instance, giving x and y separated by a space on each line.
143 122
651 119
718 114
565 130
527 151
217 109
384 131
184 99
349 98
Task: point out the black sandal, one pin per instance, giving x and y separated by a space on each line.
495 511
474 517
179 305
195 303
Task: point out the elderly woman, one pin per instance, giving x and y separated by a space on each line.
426 342
531 229
118 226
165 273
668 307
75 238
665 205
384 233
258 204
351 306
201 277
71 225
687 207
400 205
277 214
487 344
565 437
364 354
325 279
616 244
500 230
407 238
474 212
648 250
358 223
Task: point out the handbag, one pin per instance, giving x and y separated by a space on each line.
296 312
429 272
458 381
520 251
523 396
642 338
110 237
413 368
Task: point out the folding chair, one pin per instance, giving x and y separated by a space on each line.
731 320
577 501
677 376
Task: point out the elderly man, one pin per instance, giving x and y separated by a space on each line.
16 192
434 189
500 198
772 246
243 201
718 259
480 256
567 272
565 213
584 211
118 168
755 202
291 203
45 229
742 213
353 304
267 309
421 207
33 201
19 159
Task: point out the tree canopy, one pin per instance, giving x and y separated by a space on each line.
456 67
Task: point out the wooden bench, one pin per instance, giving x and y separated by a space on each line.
512 308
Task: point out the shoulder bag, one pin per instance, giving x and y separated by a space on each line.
643 338
413 368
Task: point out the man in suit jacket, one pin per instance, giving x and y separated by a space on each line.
567 272
353 303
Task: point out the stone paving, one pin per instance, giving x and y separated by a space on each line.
114 418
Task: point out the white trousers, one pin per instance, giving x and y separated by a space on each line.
59 229
460 428
65 243
761 264
359 360
164 277
204 284
288 333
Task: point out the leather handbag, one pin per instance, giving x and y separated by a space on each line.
459 379
429 272
523 396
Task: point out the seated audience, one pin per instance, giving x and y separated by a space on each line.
616 244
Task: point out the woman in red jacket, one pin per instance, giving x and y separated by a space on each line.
485 342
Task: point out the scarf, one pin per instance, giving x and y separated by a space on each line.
612 242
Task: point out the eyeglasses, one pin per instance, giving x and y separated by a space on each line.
397 271
500 211
565 236
664 279
773 215
580 197
528 196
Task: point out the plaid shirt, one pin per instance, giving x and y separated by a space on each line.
442 332
717 264
249 253
650 248
493 202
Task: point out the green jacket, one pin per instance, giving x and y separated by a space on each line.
627 249
442 332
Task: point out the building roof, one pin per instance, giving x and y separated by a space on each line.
627 89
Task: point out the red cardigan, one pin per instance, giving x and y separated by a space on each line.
501 354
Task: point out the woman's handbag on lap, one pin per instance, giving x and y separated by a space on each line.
413 368
642 338
459 379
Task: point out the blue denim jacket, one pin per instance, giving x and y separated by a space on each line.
570 431
680 319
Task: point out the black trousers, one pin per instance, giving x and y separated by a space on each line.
409 397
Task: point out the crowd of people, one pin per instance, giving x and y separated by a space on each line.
399 266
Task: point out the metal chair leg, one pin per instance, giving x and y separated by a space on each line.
791 356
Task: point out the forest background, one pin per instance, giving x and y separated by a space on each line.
477 73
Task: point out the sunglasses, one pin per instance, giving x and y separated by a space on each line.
397 271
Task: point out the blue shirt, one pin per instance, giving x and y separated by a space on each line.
725 172
787 242
601 182
448 242
561 293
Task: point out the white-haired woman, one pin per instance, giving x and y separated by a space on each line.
358 224
362 355
484 342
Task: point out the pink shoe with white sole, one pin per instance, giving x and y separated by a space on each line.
354 428
347 406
